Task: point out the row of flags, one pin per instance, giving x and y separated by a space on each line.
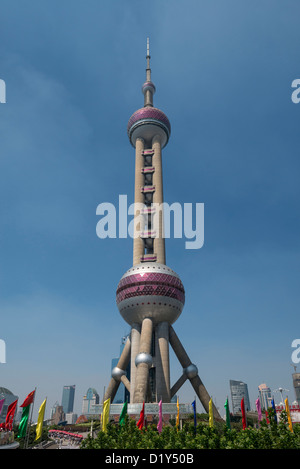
23 425
141 421
287 409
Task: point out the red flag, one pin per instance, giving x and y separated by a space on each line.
267 415
28 400
243 414
141 422
10 415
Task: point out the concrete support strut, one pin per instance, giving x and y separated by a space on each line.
162 362
142 362
122 365
138 350
135 345
193 376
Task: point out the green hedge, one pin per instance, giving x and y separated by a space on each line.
267 436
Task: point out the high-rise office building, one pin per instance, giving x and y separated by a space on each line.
150 295
239 390
265 396
296 384
9 398
91 398
122 394
67 400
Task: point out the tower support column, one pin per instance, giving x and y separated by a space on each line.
135 345
143 362
138 243
119 373
158 198
162 362
191 372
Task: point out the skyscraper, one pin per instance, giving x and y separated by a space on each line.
265 396
91 398
122 394
296 384
239 390
150 295
67 400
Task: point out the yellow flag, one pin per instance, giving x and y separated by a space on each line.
39 425
287 408
210 413
177 418
105 414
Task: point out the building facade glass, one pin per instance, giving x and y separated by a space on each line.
296 384
239 390
265 396
67 401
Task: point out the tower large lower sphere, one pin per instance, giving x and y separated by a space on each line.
150 295
150 290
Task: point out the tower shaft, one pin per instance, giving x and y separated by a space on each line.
149 242
138 243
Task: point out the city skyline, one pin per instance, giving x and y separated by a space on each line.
224 77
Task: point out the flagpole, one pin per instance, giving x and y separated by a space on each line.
29 422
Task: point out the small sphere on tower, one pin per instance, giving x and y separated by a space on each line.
148 86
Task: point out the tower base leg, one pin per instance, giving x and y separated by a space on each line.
190 370
140 388
118 373
143 362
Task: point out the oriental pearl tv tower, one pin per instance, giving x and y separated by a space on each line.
150 296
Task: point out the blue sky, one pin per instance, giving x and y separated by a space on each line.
223 74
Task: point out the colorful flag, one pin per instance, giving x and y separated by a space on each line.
123 414
141 422
24 421
244 420
105 414
1 405
267 415
195 416
159 425
177 417
287 408
39 425
226 405
274 408
10 415
258 408
210 413
28 400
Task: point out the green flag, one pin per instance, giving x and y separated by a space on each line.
226 405
23 423
123 414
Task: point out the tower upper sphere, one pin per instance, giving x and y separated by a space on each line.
146 123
